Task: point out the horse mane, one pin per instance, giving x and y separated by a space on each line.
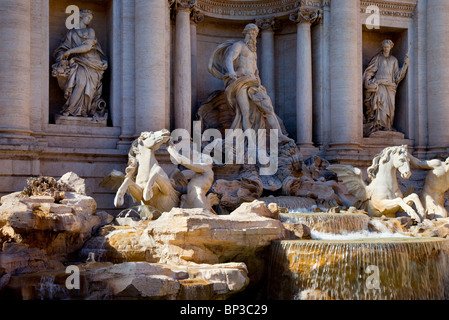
133 164
382 158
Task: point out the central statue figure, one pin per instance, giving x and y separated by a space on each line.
235 62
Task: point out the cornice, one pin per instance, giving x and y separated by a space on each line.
248 10
391 8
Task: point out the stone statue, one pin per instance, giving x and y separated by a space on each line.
80 64
380 81
235 62
148 183
436 184
197 179
382 195
145 179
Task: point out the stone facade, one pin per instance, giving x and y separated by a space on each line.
312 55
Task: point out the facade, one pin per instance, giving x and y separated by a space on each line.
312 60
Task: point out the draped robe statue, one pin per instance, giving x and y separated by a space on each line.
235 62
80 64
381 80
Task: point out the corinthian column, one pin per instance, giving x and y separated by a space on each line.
304 19
15 69
183 65
438 74
268 26
150 36
346 75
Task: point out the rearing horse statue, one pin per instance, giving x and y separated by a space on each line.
149 184
145 179
382 195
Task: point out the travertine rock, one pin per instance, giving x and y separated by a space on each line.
193 235
56 228
136 280
76 183
19 258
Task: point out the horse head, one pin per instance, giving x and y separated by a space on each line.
397 157
401 161
154 140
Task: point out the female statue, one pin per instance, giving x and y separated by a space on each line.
80 64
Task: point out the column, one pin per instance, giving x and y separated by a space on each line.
150 72
438 75
304 103
183 66
346 75
196 17
15 69
268 26
128 95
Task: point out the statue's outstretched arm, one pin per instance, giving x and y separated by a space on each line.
420 164
233 54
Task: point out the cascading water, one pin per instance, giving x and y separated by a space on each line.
345 261
407 269
328 223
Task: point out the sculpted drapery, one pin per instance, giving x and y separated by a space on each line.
381 80
80 64
235 62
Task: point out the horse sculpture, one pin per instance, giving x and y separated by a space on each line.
382 195
148 183
145 179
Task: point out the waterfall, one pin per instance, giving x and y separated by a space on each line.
291 203
404 268
48 289
328 223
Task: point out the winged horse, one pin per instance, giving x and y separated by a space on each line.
382 195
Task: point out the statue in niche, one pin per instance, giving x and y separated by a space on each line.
80 64
380 81
235 62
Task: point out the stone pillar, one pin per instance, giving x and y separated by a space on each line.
196 17
420 90
128 95
150 35
15 69
183 65
268 26
438 75
304 103
346 75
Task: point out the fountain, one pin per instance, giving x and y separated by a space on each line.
357 265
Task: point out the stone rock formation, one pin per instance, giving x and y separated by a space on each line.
44 224
134 280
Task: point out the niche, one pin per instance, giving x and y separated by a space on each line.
372 44
103 26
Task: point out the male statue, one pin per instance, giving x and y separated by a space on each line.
235 62
380 81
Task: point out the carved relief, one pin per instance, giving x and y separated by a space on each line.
304 15
268 23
